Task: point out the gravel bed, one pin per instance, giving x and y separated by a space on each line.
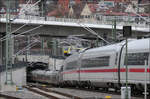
24 94
88 94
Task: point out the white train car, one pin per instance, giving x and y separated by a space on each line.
105 66
43 76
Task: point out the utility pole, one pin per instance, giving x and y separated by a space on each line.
9 47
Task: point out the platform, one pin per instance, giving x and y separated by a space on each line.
24 94
18 76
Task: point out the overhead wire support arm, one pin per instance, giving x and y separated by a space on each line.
24 32
17 17
93 32
13 32
26 48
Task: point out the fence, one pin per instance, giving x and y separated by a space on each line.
105 20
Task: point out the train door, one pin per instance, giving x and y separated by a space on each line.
119 64
121 67
116 66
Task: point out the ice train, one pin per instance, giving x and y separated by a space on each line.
105 67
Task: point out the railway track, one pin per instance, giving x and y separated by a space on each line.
75 90
44 91
2 96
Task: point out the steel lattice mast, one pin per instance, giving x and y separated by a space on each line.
9 46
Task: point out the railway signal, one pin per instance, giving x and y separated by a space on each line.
127 32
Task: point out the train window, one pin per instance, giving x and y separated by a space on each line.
71 65
137 58
96 62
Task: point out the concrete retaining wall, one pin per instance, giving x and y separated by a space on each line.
34 58
45 59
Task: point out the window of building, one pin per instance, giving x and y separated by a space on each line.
96 62
137 58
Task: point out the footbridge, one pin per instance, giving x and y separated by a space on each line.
61 27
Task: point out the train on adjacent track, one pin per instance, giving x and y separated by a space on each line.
105 67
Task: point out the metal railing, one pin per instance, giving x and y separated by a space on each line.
102 20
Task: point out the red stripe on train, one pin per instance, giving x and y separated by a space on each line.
98 70
136 70
139 70
70 72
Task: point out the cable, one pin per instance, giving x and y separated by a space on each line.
13 31
17 17
27 8
27 47
140 15
20 14
98 35
24 32
16 31
28 30
93 32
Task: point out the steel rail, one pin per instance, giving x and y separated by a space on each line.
45 89
57 92
7 96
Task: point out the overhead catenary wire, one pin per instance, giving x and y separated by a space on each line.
13 32
27 8
27 47
93 32
140 15
97 35
17 17
2 39
24 32
22 9
25 42
24 49
28 31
